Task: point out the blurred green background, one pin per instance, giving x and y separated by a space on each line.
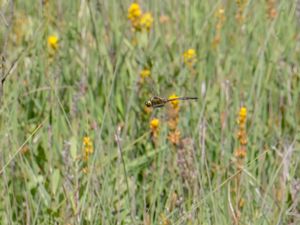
78 145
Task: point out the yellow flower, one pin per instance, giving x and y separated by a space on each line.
134 11
138 19
241 134
174 103
53 42
189 56
190 53
220 13
146 21
242 114
134 15
154 127
154 124
87 141
87 147
145 73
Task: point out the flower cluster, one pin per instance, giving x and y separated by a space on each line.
53 46
241 4
146 21
242 135
154 127
240 155
173 119
175 103
145 73
220 15
134 15
139 21
189 57
53 42
87 148
271 9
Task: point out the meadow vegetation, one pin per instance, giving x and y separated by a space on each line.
79 146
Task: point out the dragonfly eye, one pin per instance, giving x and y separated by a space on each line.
148 103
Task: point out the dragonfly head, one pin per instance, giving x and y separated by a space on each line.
148 103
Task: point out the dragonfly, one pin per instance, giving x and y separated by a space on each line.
158 102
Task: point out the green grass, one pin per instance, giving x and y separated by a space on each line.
90 87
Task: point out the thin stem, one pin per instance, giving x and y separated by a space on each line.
118 140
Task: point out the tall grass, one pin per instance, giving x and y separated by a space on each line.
90 86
